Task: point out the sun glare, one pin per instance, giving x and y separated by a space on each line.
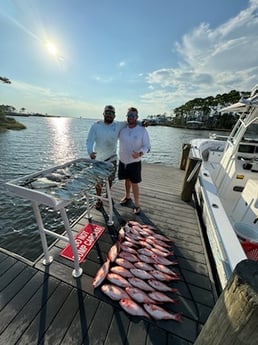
52 49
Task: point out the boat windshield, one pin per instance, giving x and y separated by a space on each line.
251 133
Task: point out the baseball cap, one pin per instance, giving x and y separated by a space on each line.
109 108
132 110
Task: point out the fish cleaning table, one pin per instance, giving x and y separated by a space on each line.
59 186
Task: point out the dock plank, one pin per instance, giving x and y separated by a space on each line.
77 332
49 306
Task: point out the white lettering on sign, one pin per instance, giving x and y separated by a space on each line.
84 241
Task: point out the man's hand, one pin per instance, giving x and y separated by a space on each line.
136 154
145 123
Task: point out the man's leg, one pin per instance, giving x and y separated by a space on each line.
127 196
135 188
98 192
127 188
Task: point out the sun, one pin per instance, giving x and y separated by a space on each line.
52 49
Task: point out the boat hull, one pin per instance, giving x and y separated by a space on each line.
224 244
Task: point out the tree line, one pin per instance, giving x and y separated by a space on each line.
207 110
7 122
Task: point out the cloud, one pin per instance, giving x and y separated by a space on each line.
211 61
121 64
103 79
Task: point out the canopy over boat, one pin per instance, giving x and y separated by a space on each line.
244 104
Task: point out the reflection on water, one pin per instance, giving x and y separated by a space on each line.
61 148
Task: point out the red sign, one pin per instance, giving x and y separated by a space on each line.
84 241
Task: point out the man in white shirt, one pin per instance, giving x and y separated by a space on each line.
134 142
102 143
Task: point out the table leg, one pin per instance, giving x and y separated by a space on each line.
47 258
77 272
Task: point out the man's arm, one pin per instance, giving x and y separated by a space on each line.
90 142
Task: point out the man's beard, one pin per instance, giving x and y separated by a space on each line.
108 119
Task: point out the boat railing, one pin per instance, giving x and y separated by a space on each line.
216 136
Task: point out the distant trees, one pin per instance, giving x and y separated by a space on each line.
5 80
7 122
3 107
207 110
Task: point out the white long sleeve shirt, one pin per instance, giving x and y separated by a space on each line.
102 139
133 139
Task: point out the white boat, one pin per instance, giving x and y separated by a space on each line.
227 189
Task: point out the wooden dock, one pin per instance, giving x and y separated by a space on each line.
46 305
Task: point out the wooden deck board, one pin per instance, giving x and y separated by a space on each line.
46 305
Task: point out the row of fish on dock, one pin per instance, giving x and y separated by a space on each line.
137 272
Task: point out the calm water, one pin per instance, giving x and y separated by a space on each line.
50 141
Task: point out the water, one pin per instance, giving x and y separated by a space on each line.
48 142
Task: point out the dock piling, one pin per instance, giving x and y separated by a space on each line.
184 156
234 318
192 170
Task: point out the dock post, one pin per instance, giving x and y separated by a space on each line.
192 170
184 155
234 318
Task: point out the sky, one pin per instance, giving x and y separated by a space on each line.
73 57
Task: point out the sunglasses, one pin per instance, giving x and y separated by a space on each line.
131 115
109 112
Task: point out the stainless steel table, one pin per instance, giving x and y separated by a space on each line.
56 188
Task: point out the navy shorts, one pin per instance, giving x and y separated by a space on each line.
130 171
